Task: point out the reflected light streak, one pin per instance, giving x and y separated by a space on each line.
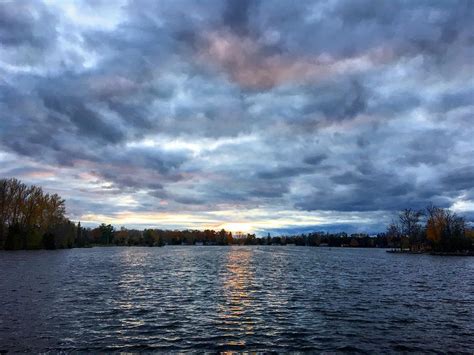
236 313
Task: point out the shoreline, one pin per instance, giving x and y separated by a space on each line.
435 253
387 250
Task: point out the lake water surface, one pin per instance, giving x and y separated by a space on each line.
235 298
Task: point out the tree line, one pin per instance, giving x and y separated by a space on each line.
432 229
33 219
107 235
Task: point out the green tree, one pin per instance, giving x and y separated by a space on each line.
106 233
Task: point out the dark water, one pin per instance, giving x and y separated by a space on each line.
235 298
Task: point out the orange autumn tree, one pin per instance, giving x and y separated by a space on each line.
446 230
470 234
436 224
28 215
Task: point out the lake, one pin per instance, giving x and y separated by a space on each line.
212 298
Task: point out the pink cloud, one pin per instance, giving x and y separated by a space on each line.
244 60
42 174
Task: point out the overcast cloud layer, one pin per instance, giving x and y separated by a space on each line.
259 115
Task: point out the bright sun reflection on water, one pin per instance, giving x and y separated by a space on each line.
237 290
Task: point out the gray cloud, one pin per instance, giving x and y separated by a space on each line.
87 122
236 15
459 179
315 159
204 106
27 23
283 172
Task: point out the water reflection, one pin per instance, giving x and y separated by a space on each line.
237 314
214 299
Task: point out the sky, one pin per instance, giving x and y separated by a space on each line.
254 116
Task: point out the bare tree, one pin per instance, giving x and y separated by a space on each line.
410 224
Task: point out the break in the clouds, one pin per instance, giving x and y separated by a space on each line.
258 115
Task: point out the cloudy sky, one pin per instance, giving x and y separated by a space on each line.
277 116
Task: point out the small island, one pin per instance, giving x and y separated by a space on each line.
434 230
32 219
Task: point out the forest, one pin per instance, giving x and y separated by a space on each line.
33 219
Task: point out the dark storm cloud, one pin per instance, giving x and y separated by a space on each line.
274 190
26 23
236 14
371 195
337 101
315 159
283 172
189 200
335 106
460 179
88 122
432 147
462 97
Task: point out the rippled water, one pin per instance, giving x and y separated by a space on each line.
235 298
